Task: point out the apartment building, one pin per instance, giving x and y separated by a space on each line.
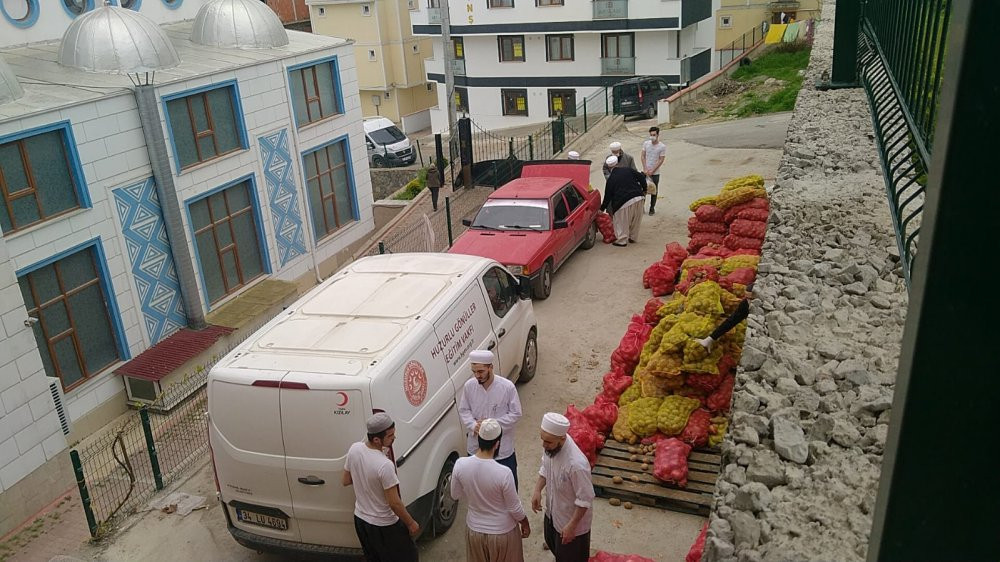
523 61
390 58
736 17
261 156
292 13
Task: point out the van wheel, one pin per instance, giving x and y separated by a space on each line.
543 287
591 238
445 507
530 361
651 112
378 161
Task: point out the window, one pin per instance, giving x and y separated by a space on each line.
430 86
77 7
562 102
511 48
371 54
366 9
433 3
225 234
499 3
415 48
515 102
616 45
558 47
315 92
559 209
322 11
548 2
501 289
75 336
412 5
725 22
573 197
461 99
38 179
204 126
330 188
459 47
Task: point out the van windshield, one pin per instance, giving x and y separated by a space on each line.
388 135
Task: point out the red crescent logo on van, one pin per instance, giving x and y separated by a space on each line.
343 401
415 383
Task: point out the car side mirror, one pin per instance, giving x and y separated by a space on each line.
523 287
560 224
466 222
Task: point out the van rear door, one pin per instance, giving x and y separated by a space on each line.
322 416
245 436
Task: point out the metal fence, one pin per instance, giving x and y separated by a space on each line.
740 45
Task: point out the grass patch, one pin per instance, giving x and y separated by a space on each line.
783 63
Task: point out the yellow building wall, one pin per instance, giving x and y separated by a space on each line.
745 14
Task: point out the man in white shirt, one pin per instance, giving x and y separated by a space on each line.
495 522
385 529
569 496
654 153
488 396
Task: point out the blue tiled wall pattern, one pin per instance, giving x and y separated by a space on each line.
282 195
149 255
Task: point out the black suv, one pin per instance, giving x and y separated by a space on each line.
638 96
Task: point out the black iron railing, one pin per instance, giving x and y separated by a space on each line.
741 44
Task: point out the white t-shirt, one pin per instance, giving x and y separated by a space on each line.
372 473
567 486
653 154
499 402
494 507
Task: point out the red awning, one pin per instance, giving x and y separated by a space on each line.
169 354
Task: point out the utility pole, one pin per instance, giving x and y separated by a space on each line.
449 75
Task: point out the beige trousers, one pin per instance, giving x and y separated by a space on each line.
480 547
627 220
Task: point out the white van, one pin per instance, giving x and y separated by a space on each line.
388 333
387 145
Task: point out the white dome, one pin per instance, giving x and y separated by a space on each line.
248 24
118 41
10 88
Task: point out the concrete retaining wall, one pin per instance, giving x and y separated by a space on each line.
386 181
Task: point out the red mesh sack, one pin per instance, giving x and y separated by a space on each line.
670 462
696 431
741 275
649 314
616 382
605 397
630 346
700 239
734 242
660 278
695 225
726 366
705 382
674 255
713 251
751 215
584 435
759 203
602 556
607 227
602 416
748 229
698 548
722 396
696 275
709 213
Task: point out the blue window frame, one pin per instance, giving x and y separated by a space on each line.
205 123
315 90
330 189
40 176
229 240
77 7
24 17
78 329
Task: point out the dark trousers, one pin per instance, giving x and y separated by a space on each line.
652 198
434 196
511 463
391 543
577 550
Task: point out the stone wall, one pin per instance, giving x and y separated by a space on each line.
386 181
814 390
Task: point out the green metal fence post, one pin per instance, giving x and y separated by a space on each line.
584 115
607 102
381 244
510 146
81 483
531 148
447 214
845 43
154 459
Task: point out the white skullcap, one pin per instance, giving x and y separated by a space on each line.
379 422
612 160
616 145
555 424
574 155
481 356
489 429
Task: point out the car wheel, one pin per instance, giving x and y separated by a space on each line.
378 161
445 507
530 361
543 287
591 237
650 112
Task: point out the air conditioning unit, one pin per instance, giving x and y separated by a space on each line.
59 399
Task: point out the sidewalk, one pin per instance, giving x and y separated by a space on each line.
60 528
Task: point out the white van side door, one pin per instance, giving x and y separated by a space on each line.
507 315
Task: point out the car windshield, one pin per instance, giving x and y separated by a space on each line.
388 135
513 214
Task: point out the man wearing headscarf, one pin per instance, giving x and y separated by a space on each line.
385 529
624 195
495 521
624 160
569 492
487 396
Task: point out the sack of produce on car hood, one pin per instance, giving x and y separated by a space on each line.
670 461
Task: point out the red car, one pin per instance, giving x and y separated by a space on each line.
534 223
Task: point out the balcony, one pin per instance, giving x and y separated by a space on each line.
458 67
783 5
434 16
610 9
618 66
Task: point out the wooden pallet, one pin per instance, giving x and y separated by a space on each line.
613 460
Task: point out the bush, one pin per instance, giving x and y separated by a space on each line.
411 190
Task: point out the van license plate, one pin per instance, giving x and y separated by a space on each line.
254 518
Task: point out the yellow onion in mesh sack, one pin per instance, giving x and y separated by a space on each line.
710 200
632 393
642 416
740 260
744 181
673 413
658 387
705 298
620 431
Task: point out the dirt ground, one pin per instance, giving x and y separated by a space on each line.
594 294
724 98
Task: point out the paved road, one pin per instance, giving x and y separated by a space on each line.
767 131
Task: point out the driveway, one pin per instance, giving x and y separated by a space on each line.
593 297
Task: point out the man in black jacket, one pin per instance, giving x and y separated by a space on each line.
624 195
